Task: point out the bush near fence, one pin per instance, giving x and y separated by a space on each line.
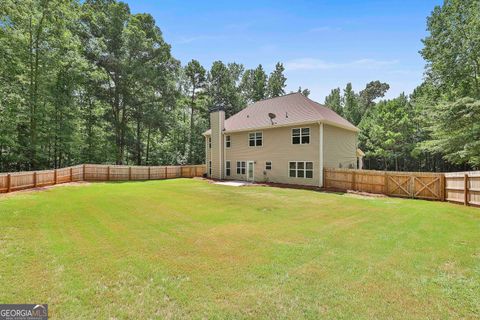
459 187
93 172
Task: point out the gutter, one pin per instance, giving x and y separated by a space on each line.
334 124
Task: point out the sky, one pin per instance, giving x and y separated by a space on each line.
322 44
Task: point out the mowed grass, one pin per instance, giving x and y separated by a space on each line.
190 249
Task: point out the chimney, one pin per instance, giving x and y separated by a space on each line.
217 124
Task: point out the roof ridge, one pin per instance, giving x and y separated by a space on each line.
271 98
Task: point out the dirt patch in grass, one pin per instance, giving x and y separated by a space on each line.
39 189
363 195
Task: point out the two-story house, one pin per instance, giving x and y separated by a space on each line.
287 139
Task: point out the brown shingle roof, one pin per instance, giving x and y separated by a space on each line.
289 109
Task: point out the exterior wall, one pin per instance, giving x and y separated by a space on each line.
278 148
339 147
217 120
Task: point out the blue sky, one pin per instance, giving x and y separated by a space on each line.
323 44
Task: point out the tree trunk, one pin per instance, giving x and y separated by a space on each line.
147 153
139 139
192 110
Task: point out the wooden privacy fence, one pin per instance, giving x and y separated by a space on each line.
93 172
461 187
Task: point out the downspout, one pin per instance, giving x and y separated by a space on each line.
320 183
220 152
207 155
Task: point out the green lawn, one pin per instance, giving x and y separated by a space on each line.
189 249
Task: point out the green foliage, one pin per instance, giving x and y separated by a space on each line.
356 106
223 83
448 99
455 131
196 82
276 82
305 92
386 133
334 101
452 49
254 84
351 108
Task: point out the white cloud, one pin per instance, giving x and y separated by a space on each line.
318 64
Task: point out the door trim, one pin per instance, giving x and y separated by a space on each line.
253 170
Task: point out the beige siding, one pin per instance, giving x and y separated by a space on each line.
278 148
340 147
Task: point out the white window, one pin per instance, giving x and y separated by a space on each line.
227 168
268 165
301 136
210 143
209 168
255 139
300 169
227 142
241 167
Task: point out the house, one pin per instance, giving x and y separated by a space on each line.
287 139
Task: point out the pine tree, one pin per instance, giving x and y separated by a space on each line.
276 82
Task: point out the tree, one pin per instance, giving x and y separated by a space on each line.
350 105
334 101
38 44
196 81
452 48
259 84
372 91
386 133
305 92
276 82
131 52
246 86
456 131
223 87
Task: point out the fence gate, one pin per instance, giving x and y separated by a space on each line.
414 186
398 185
427 187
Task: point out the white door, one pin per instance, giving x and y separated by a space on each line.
250 170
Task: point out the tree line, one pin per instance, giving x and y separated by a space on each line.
437 126
91 82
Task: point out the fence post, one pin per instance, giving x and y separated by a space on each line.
83 173
443 187
108 173
148 173
465 189
412 186
385 183
353 180
166 173
35 179
71 174
129 173
54 176
9 182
